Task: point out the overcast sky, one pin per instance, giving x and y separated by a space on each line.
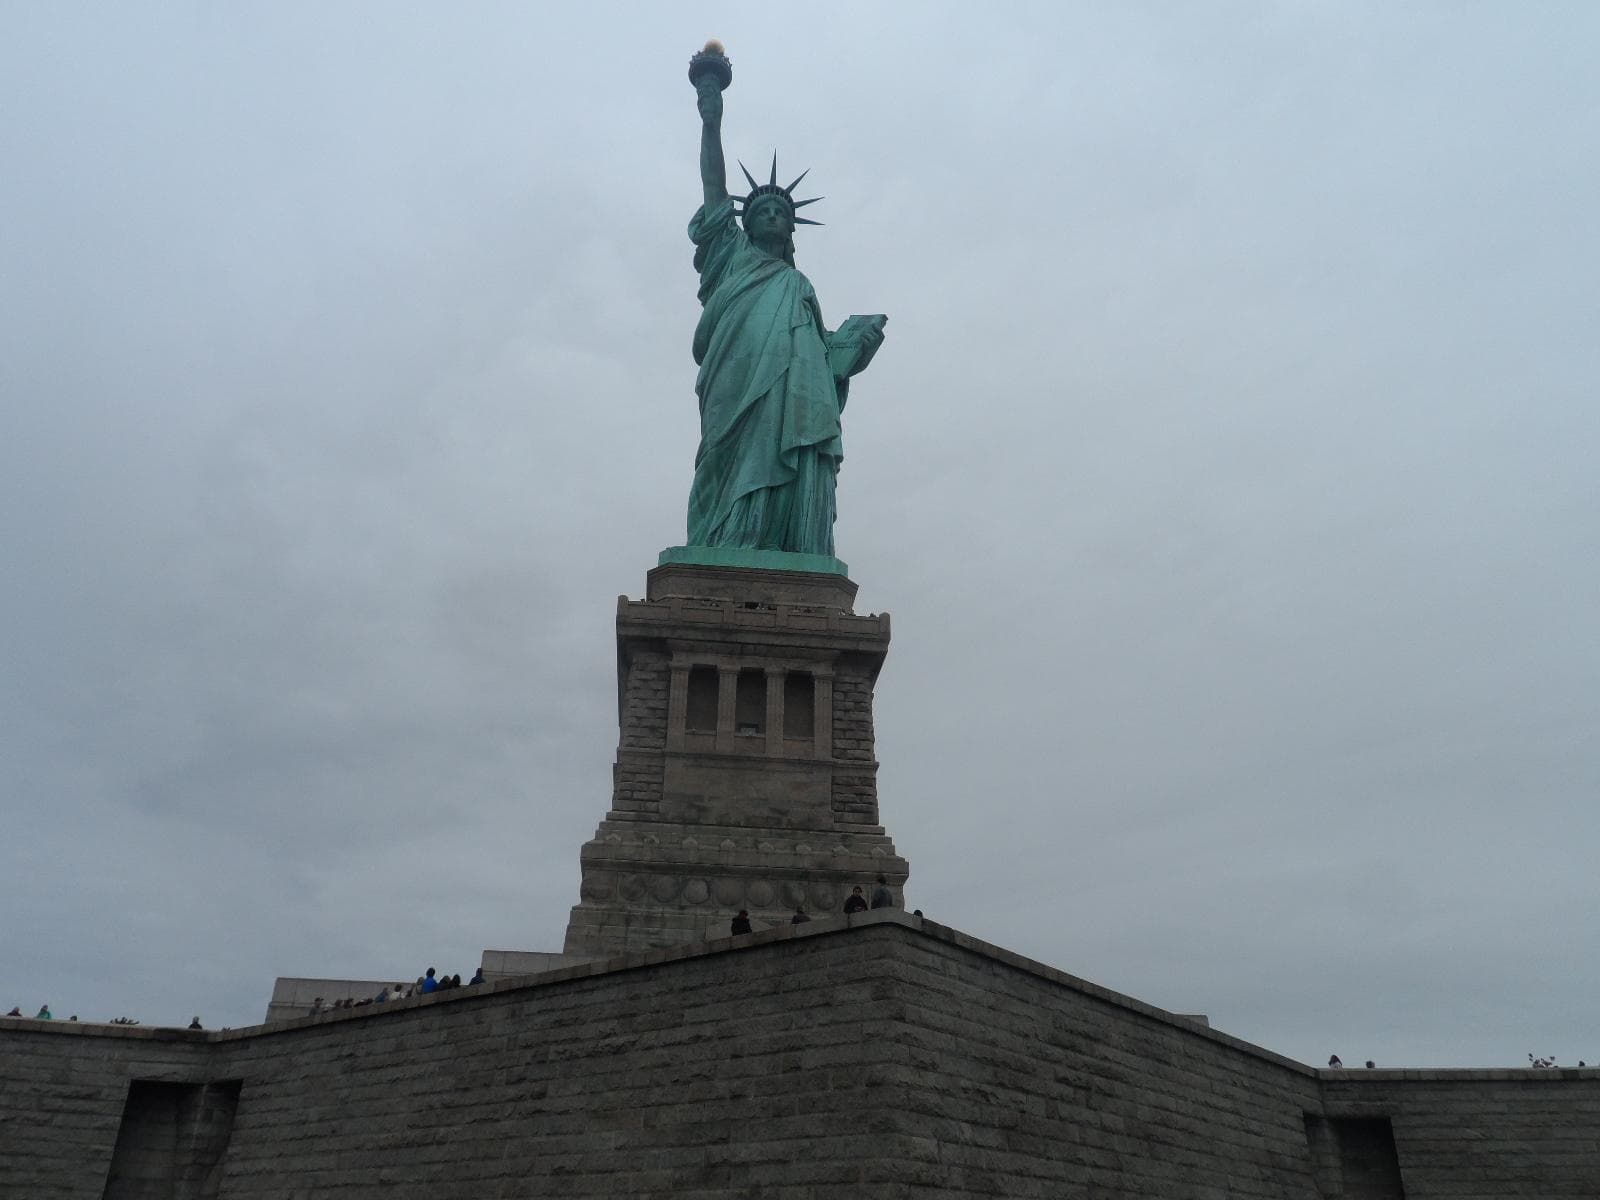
1229 471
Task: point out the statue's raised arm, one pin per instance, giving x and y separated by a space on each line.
773 379
713 170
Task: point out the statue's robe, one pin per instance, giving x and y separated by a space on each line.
770 442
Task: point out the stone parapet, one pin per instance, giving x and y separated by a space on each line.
297 996
748 585
751 624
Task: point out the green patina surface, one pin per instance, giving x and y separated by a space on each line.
773 377
761 560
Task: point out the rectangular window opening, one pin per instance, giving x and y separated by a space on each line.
799 705
750 704
172 1140
701 714
1354 1157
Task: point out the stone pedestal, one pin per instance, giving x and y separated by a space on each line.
745 775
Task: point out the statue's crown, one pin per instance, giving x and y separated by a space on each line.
772 188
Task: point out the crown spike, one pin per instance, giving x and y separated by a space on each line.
813 200
790 189
773 181
806 221
747 175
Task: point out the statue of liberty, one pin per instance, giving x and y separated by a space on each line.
773 379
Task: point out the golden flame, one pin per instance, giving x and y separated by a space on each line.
713 47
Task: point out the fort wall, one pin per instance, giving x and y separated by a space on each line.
878 1053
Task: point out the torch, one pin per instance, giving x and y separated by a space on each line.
711 63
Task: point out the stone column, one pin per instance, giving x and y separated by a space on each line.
822 714
677 705
775 712
727 705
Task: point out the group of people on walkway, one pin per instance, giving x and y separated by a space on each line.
856 902
425 985
430 982
882 897
44 1013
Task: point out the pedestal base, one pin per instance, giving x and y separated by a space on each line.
745 775
648 884
761 560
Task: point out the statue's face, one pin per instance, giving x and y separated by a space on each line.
768 218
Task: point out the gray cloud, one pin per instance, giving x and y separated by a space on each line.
1228 472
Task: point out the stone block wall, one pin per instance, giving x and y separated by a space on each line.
1024 1082
712 1074
855 772
1481 1135
707 1076
876 1055
638 774
63 1090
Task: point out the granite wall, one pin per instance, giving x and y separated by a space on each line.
1482 1135
875 1055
